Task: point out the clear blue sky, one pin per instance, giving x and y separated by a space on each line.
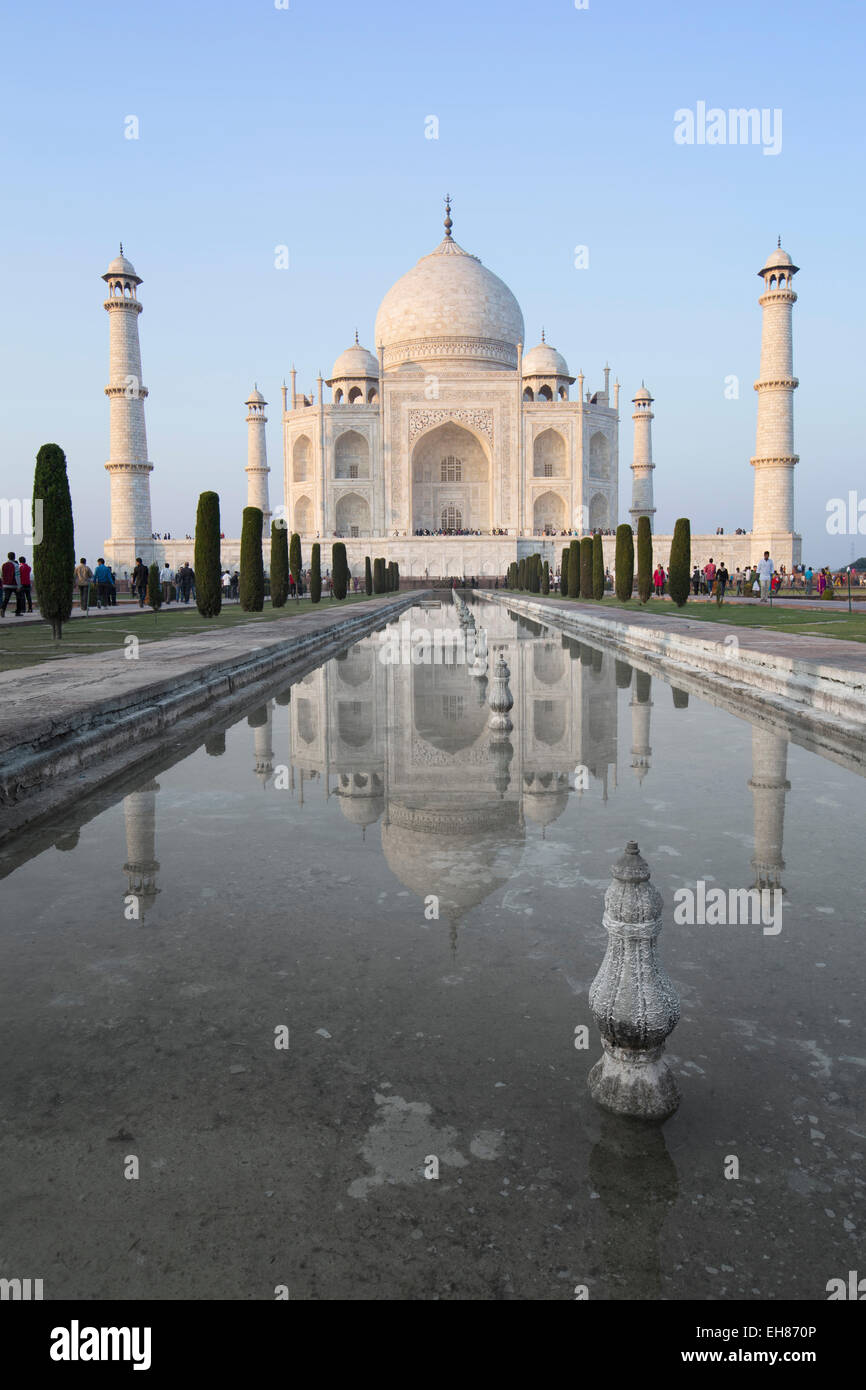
305 127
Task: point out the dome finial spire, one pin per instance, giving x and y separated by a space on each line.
543 339
448 223
356 337
121 248
779 242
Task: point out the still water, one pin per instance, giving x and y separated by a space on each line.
364 942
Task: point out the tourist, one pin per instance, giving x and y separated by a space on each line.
809 578
25 573
102 579
709 574
696 580
822 583
235 585
166 579
765 575
227 579
139 580
738 580
83 576
11 576
722 577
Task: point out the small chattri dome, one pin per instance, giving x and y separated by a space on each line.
544 360
121 266
355 362
778 259
255 397
642 394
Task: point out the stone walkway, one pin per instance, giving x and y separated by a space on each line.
818 651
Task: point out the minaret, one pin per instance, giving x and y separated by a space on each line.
128 467
257 457
774 444
768 785
141 867
642 462
641 706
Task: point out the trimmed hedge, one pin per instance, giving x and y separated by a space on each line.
597 568
252 585
574 569
279 564
644 559
316 573
624 563
54 554
208 571
368 576
154 587
680 563
339 569
586 567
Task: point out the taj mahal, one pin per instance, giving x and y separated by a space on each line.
451 449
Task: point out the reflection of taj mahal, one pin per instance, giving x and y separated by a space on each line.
449 449
409 748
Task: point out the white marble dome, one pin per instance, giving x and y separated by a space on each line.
449 307
255 397
121 266
544 360
356 361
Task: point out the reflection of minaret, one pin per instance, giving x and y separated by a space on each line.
139 813
261 722
641 704
768 784
635 1177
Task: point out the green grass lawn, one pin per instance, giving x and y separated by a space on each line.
817 622
30 644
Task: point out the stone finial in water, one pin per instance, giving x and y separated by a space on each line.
500 698
632 1000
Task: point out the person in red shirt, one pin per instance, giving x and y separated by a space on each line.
11 580
26 574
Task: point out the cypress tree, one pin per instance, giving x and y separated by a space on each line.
154 588
597 567
624 564
521 574
252 586
339 569
545 578
295 560
279 564
316 573
563 572
208 575
368 576
574 569
644 559
680 563
586 567
54 554
378 576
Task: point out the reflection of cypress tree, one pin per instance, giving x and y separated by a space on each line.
681 697
623 674
259 717
636 1180
570 645
597 660
585 655
68 841
642 687
215 745
284 698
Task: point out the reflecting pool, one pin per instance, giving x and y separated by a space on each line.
344 945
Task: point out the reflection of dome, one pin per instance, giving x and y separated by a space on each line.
461 856
545 798
361 798
449 306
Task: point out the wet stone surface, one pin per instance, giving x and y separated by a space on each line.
287 875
